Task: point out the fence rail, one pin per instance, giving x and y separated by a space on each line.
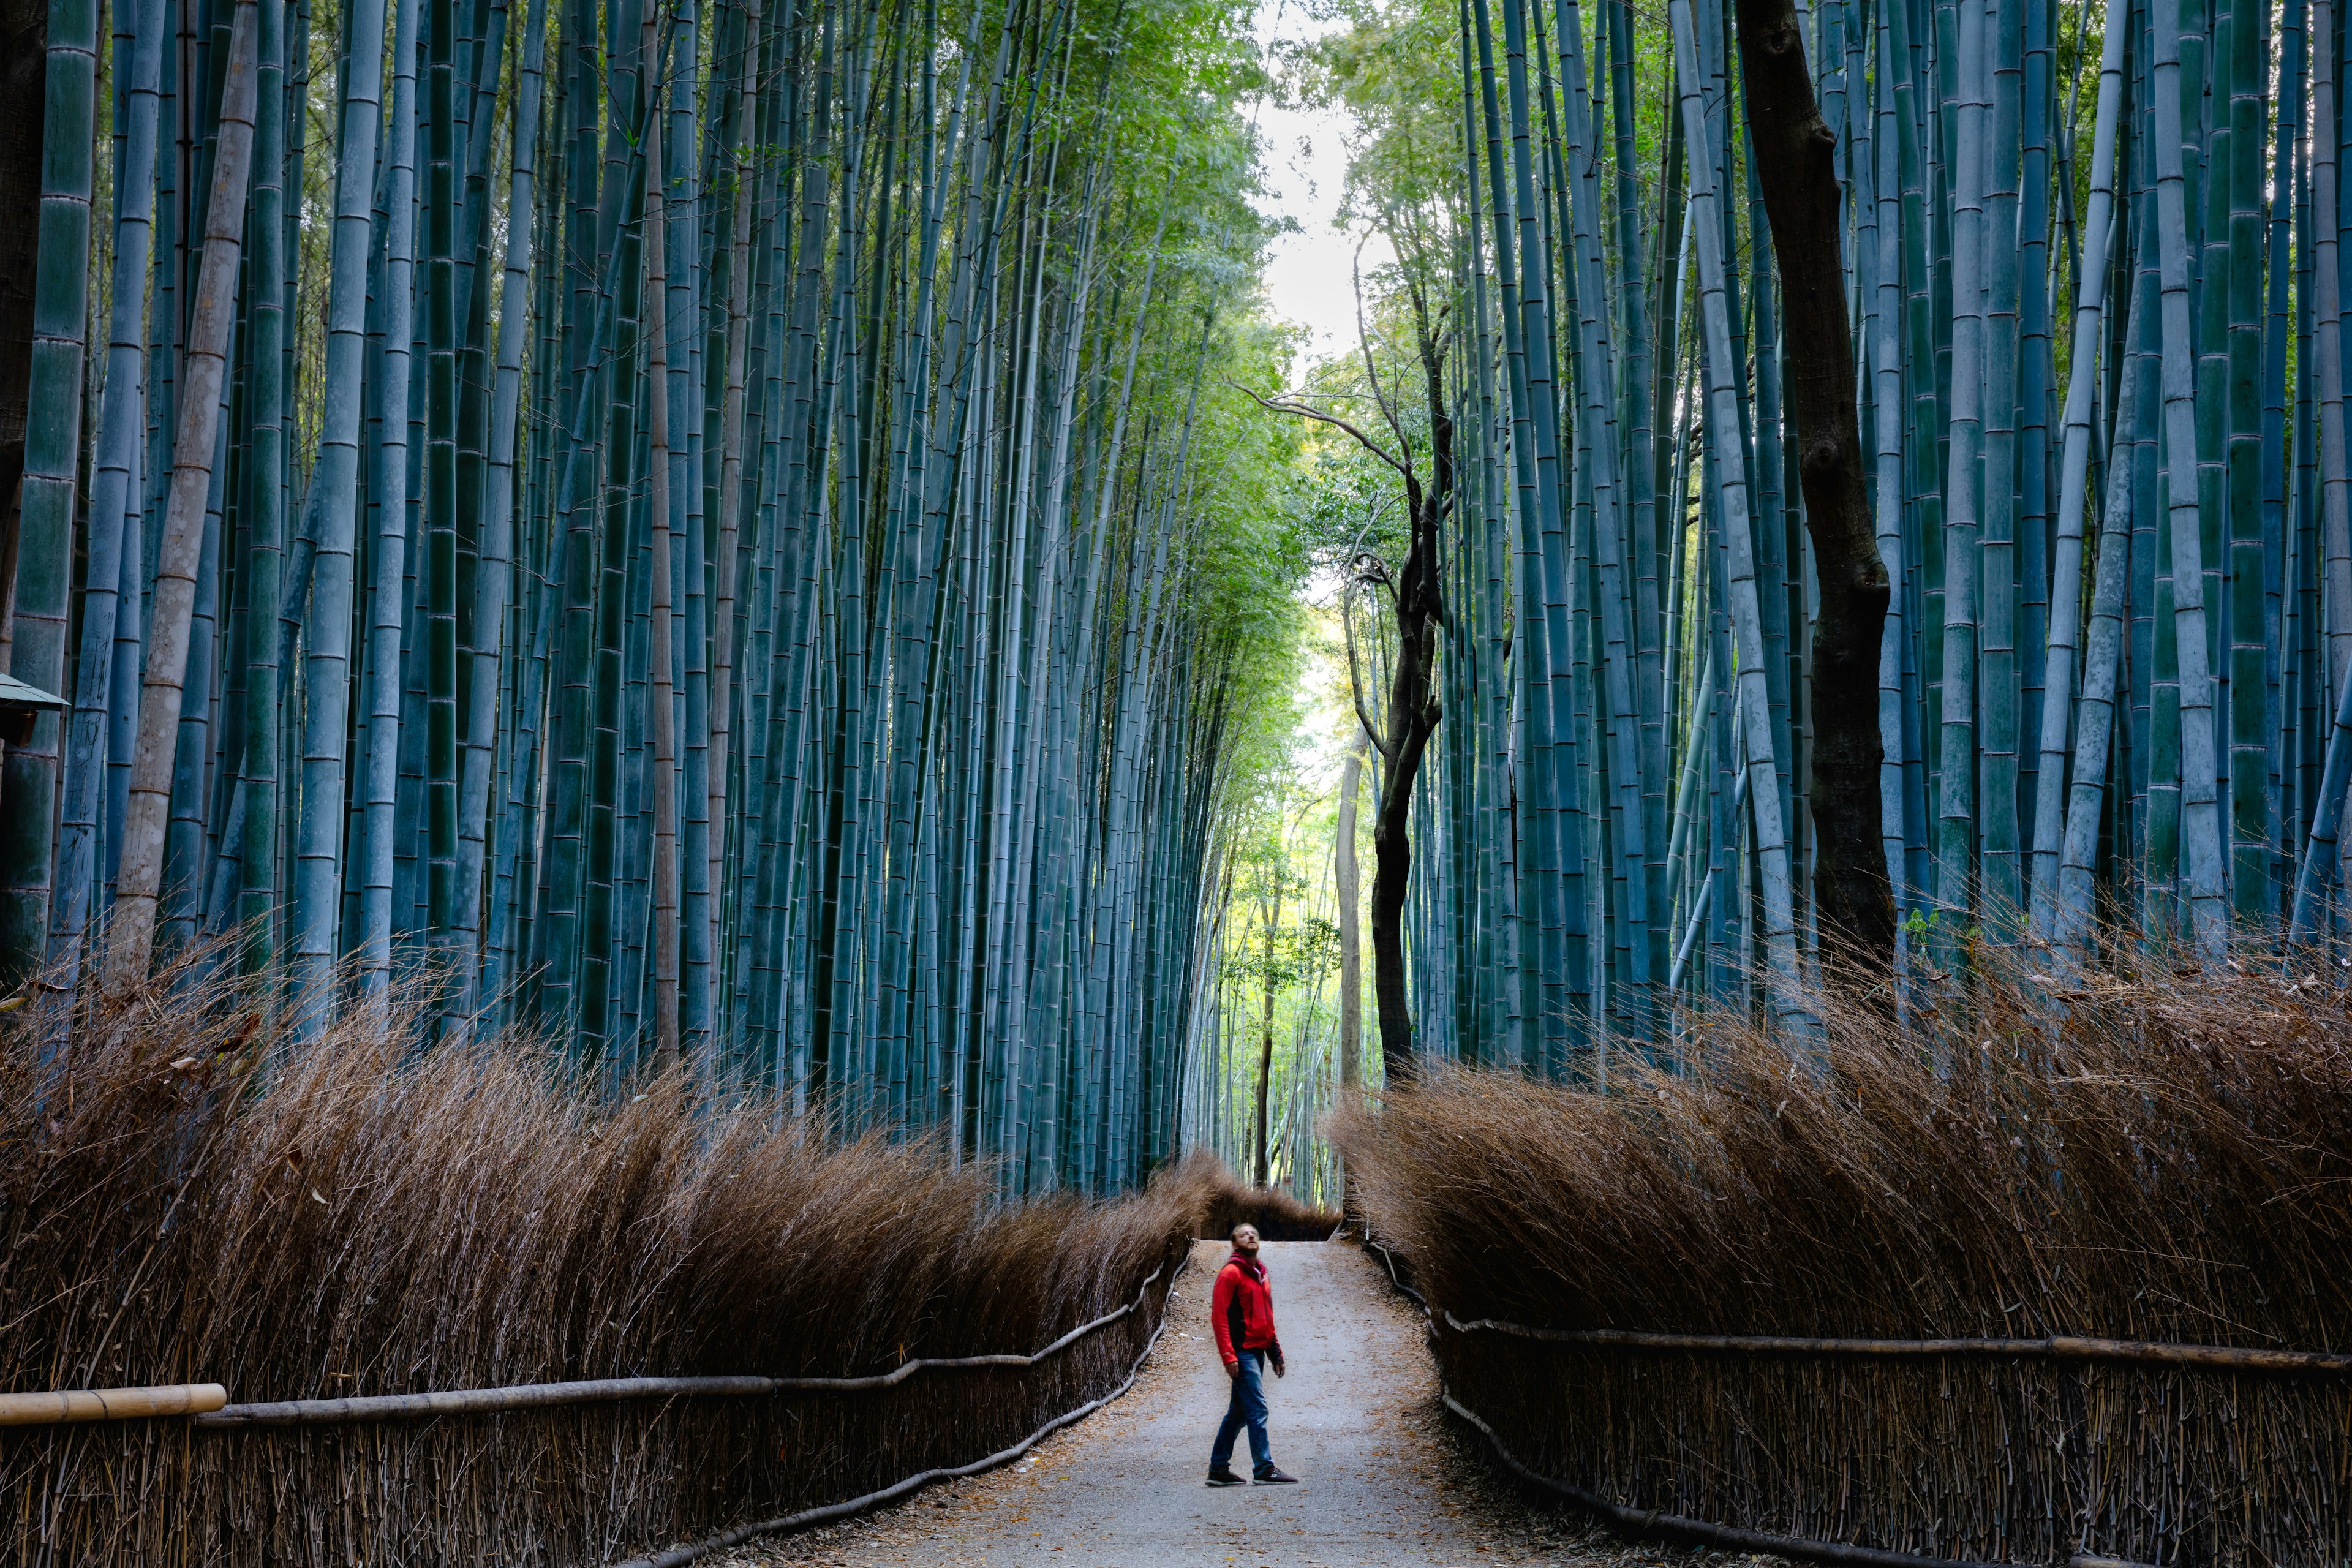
2054 1347
109 1404
207 1402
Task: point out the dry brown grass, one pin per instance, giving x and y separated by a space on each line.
2152 1156
1229 1202
184 1197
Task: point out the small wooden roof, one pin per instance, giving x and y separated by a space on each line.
15 697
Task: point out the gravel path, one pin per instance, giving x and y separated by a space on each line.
1386 1478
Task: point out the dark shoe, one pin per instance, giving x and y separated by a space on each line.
1224 1478
1271 1476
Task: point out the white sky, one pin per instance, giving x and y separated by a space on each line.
1308 274
1310 280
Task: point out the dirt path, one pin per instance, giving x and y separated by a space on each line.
1385 1480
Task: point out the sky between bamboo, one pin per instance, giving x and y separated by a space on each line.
1309 271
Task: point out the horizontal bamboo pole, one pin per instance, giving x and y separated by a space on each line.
477 1401
899 1374
109 1404
208 1402
546 1395
2055 1347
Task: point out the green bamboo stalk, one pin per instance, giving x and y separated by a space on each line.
390 491
2199 812
1732 490
439 527
2101 221
1957 827
114 512
493 656
662 718
1999 562
2070 925
131 941
318 893
1884 306
2336 467
263 512
46 499
2243 622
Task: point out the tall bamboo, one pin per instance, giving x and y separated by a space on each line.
131 939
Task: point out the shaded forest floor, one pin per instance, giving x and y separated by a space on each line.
1386 1477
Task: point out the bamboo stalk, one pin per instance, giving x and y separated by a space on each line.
34 617
2199 809
131 937
114 513
662 718
2101 224
111 1404
1723 422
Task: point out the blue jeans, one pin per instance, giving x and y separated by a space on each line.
1248 1405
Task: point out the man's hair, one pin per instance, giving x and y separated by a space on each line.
1244 1225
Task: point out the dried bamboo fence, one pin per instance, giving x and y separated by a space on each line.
2006 1281
1975 1455
1633 1426
339 1230
575 1469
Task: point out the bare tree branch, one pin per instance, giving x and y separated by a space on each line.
1307 411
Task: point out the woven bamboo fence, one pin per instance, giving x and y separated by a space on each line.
189 1200
2051 1269
577 1484
1957 1458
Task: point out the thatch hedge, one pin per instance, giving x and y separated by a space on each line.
2161 1158
1277 1216
184 1198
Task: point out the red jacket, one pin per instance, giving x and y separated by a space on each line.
1242 1307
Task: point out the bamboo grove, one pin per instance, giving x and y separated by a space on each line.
711 531
2093 277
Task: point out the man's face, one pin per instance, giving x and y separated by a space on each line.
1246 1240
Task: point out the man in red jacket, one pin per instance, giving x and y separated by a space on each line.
1242 1309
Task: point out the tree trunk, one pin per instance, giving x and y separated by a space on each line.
1351 925
1263 1165
1392 852
1795 165
1413 714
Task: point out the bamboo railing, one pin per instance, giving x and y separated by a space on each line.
207 1402
2054 1347
77 1405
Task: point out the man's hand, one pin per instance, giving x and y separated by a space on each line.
1281 1368
1234 1369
